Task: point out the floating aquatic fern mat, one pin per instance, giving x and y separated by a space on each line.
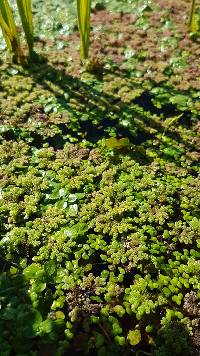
99 179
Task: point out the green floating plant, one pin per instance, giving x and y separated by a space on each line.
114 143
8 26
83 11
25 11
134 337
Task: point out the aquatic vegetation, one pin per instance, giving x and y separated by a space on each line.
96 235
99 188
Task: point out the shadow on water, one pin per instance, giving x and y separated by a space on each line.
173 339
93 111
89 113
93 114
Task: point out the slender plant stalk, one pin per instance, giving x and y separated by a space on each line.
192 25
84 11
7 24
25 11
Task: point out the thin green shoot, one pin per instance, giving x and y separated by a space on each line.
170 121
84 11
25 11
193 21
9 30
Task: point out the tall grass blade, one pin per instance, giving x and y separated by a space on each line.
9 30
84 11
193 20
25 11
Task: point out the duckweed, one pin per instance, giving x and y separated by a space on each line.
99 194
